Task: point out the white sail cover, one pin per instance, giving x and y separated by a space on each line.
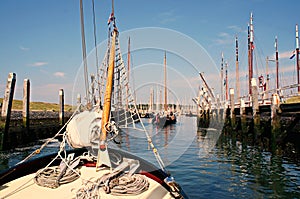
84 129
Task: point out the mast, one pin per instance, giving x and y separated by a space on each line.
103 157
237 75
226 80
268 77
250 51
297 57
277 64
222 80
128 73
86 82
206 85
165 75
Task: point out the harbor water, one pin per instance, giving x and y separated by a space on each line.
207 163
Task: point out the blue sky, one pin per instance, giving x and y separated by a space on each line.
40 39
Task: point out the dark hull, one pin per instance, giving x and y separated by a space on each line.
171 121
159 121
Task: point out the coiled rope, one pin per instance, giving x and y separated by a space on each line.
111 184
51 177
129 185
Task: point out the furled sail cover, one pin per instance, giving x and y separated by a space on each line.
84 129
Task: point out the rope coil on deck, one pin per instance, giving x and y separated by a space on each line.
124 185
50 177
129 185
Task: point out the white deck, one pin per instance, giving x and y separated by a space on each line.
26 188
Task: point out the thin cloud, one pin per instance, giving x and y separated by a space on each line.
37 64
236 29
224 38
59 74
24 48
167 17
286 54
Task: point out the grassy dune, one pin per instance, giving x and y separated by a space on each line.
38 106
295 99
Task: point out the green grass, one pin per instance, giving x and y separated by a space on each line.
295 99
38 106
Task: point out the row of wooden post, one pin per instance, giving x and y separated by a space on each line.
255 105
7 106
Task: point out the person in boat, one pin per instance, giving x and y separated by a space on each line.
172 116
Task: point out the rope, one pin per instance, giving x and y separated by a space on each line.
122 185
129 185
37 151
51 177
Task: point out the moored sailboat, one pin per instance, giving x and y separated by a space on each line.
166 117
92 169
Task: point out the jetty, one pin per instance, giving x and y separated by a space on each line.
272 113
23 126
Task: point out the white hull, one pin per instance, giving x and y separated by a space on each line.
25 187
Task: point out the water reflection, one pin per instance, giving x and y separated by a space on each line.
248 164
229 162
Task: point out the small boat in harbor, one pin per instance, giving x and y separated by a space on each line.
166 117
91 169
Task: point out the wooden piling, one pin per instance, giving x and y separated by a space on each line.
26 102
6 107
225 110
232 107
242 108
61 107
218 108
275 120
78 99
231 98
255 106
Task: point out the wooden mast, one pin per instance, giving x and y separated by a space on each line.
250 52
109 87
222 80
165 77
237 75
268 77
297 57
277 64
103 157
226 81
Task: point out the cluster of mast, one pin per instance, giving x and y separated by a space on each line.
224 65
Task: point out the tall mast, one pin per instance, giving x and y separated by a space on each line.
297 57
237 75
277 63
86 81
222 80
250 51
226 80
103 157
108 90
165 75
268 77
128 72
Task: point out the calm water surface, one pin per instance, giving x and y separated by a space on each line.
206 163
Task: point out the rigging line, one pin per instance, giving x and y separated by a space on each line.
259 59
95 40
51 139
84 52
